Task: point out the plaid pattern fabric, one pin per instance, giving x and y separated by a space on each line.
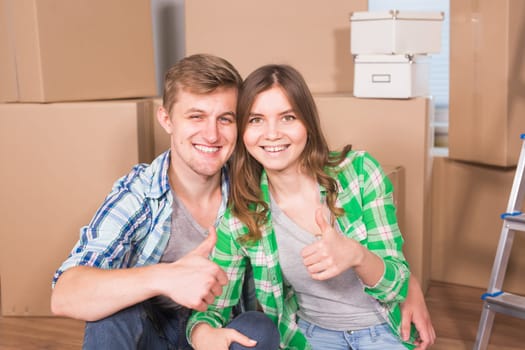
133 225
365 193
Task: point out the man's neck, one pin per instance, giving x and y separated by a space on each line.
193 185
201 195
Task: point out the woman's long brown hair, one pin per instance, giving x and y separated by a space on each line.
246 194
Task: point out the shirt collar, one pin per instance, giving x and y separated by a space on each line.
160 184
159 178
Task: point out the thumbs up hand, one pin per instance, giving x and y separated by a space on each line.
204 249
193 280
332 254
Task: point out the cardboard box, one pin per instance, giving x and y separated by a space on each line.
74 50
487 104
309 35
394 132
468 200
390 76
61 160
395 32
7 62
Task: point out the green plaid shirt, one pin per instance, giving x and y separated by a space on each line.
365 194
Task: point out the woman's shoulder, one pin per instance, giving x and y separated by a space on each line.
231 224
354 160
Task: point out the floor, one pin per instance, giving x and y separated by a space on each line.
455 314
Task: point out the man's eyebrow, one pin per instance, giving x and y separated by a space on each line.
194 109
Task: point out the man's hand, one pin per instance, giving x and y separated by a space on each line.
204 337
194 281
414 310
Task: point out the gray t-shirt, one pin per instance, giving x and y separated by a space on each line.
186 235
339 303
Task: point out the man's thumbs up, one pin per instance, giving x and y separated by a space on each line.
200 278
204 249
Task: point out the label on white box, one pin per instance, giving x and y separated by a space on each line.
380 78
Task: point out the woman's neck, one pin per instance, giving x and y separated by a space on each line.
285 186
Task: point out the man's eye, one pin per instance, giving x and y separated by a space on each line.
226 120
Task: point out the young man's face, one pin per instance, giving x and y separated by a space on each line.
203 131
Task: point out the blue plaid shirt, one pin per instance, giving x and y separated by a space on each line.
133 225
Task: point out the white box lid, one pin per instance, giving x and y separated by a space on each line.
380 58
395 14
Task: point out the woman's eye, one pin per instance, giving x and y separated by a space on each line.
289 117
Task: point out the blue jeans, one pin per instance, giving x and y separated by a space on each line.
378 337
146 326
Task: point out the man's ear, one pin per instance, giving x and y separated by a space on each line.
164 119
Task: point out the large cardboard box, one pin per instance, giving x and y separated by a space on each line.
310 35
468 199
394 132
487 71
71 50
59 162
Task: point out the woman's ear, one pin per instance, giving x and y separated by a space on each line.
164 119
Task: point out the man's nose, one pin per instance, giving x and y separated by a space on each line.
211 131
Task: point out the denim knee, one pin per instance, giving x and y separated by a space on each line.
257 326
121 330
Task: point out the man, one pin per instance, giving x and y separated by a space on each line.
141 264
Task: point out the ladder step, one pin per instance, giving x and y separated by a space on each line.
507 303
515 222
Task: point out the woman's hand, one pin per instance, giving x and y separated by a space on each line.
414 310
204 337
335 253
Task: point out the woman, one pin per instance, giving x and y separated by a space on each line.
319 229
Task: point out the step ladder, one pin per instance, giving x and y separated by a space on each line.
495 300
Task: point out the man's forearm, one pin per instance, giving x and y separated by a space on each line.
90 294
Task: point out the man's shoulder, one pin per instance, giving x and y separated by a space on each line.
146 180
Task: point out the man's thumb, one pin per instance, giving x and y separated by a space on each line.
321 220
204 249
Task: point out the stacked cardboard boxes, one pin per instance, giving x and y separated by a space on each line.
75 116
471 188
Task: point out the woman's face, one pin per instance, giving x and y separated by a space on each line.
274 134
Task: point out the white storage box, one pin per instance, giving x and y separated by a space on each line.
395 32
390 76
